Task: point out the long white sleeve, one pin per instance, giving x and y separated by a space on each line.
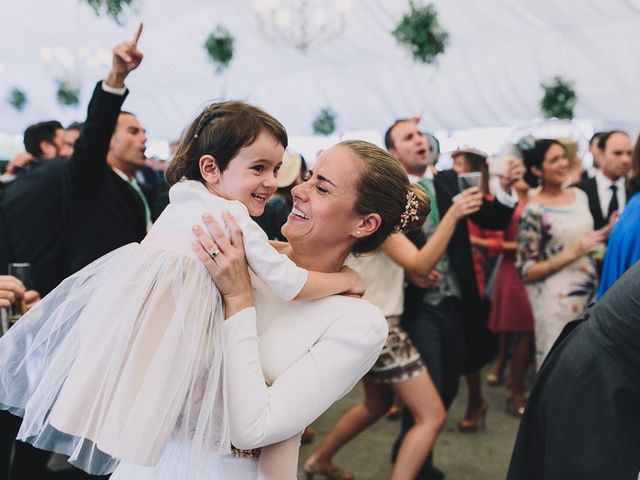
274 268
260 414
189 199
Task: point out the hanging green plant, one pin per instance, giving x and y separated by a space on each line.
219 46
67 94
111 8
420 31
559 98
325 122
17 99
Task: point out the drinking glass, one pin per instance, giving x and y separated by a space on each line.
468 180
22 271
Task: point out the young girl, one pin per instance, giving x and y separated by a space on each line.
125 353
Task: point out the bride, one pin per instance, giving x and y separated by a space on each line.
309 353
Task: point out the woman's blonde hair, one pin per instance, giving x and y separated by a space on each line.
384 188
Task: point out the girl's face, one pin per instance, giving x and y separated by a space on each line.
323 206
461 164
555 166
250 176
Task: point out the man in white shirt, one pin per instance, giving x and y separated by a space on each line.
607 189
405 141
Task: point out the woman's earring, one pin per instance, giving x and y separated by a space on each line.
357 232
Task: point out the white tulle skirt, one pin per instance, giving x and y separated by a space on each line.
118 359
181 462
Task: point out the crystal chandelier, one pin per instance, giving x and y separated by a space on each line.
302 22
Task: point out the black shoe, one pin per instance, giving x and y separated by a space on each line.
430 473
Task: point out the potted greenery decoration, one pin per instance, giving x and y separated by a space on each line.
67 94
420 31
112 8
219 46
17 99
325 122
559 98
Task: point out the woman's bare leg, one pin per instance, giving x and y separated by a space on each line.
494 377
420 396
477 407
378 397
520 360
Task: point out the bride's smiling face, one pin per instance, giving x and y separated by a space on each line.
323 206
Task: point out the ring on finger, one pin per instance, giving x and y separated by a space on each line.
215 254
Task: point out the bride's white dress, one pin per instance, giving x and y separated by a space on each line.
310 353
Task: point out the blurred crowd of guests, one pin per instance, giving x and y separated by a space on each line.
492 278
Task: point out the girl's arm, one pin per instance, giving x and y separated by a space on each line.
319 284
276 269
400 249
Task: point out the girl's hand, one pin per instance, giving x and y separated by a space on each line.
226 262
357 282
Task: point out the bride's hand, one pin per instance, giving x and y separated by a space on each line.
226 262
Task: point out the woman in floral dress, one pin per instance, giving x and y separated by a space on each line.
555 237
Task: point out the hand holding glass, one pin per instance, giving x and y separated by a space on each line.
22 272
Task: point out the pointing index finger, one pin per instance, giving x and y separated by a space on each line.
137 35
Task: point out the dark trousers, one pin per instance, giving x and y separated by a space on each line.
19 460
438 334
22 461
9 426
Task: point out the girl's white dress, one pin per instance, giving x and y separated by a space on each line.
128 352
310 354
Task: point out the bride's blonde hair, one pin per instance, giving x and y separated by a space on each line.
384 188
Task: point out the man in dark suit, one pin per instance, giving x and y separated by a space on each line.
582 419
94 206
438 318
42 141
607 189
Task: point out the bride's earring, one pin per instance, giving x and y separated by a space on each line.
357 232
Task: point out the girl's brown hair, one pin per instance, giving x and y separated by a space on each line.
221 130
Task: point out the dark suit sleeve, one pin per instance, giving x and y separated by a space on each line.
590 187
88 164
5 254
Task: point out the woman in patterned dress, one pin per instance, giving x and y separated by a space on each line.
555 238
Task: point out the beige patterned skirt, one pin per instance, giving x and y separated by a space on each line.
399 360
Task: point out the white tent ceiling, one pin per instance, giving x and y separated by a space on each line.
499 53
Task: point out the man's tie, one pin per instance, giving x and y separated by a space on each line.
613 204
147 210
